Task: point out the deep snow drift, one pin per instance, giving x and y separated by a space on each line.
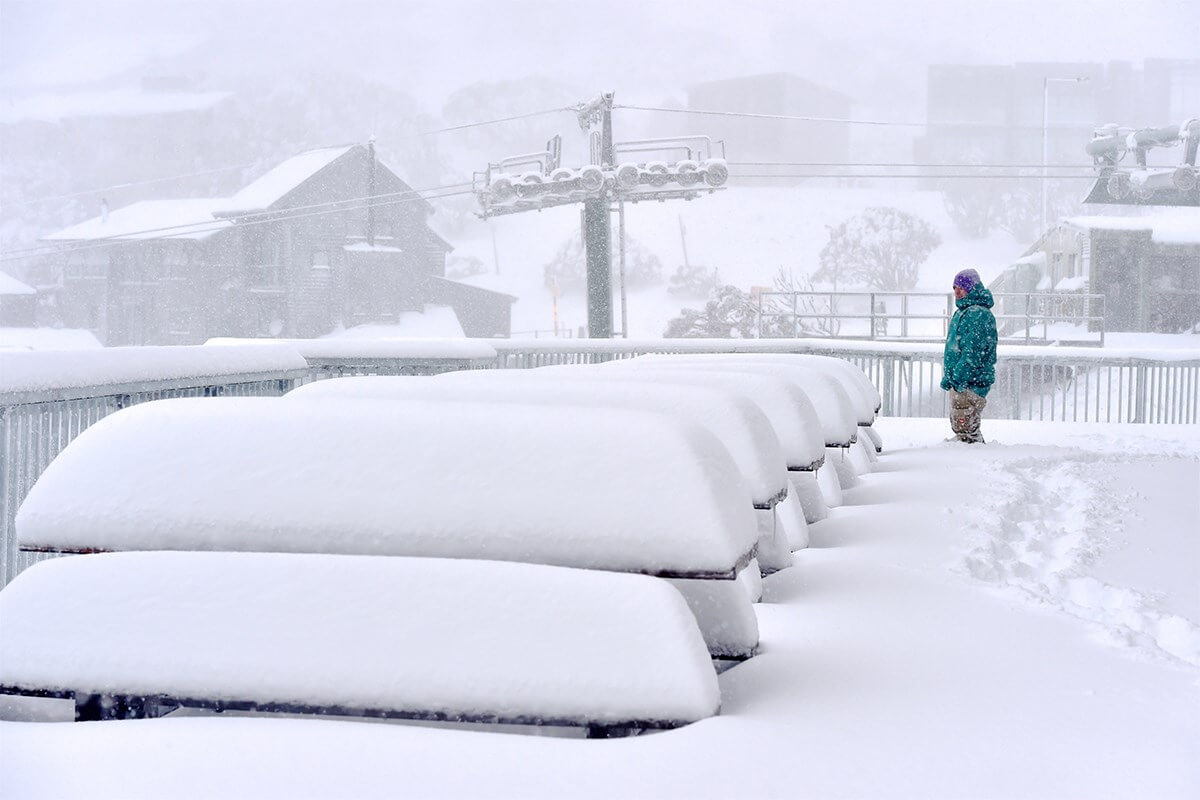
1016 619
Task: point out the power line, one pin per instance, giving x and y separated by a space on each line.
49 250
230 168
273 216
748 115
849 121
494 121
215 225
899 165
894 175
130 185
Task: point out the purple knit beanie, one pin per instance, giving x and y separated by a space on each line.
967 279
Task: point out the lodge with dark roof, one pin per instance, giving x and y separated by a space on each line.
299 252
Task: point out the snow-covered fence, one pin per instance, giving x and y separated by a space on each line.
1079 384
341 358
49 398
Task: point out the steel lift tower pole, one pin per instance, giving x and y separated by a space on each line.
597 227
510 186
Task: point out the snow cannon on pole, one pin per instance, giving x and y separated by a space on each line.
1142 184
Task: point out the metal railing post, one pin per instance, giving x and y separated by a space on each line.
1028 318
888 378
1138 379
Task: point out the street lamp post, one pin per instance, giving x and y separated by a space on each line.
1046 137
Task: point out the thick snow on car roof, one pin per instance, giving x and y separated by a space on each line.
791 414
457 637
739 424
833 405
598 488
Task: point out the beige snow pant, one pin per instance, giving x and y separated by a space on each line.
966 414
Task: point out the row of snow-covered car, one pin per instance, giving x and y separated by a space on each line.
574 545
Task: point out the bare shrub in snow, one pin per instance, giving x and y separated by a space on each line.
693 280
812 314
881 248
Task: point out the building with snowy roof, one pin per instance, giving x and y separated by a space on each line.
1147 268
299 252
18 302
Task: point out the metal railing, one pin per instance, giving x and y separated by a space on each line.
35 427
1032 383
323 367
1021 318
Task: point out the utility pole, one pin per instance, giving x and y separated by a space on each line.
683 243
597 228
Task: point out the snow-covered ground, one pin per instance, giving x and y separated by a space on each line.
1017 619
747 233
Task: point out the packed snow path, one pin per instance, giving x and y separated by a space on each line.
1017 619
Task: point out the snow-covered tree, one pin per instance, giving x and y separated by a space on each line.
1021 214
728 314
881 248
974 206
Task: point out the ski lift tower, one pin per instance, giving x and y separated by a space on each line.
616 173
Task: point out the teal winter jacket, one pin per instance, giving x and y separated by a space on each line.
970 357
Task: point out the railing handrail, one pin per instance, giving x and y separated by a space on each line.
1037 310
88 391
492 352
39 376
630 347
943 295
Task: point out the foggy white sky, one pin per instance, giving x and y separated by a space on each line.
644 49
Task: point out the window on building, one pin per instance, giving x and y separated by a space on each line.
320 259
1056 273
1071 259
265 275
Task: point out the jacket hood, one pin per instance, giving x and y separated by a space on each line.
978 296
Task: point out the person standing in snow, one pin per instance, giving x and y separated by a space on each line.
968 364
